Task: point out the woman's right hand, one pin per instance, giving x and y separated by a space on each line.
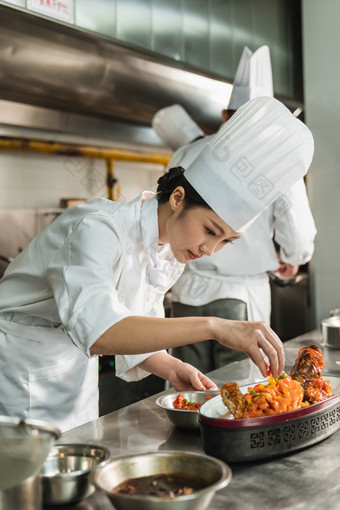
251 338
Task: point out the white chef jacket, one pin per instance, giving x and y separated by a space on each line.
239 270
94 265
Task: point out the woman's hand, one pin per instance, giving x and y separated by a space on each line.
182 376
252 338
287 270
185 377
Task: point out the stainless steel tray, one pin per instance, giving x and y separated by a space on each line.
269 436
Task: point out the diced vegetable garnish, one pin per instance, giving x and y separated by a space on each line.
183 403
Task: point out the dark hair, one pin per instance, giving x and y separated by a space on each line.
173 178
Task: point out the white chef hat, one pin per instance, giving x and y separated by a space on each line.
253 77
175 126
254 157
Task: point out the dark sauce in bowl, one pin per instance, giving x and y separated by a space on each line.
164 485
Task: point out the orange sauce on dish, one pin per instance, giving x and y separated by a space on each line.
278 396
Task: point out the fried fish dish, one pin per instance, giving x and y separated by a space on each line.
304 386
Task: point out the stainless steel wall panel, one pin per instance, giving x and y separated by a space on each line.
134 22
99 16
268 17
196 33
220 36
242 29
167 34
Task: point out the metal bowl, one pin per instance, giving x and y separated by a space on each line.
66 472
24 446
181 417
215 472
331 332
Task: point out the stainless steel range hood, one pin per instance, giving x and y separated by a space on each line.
67 79
53 66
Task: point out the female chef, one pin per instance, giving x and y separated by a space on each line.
93 282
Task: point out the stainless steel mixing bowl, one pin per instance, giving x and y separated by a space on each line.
331 332
66 472
183 418
213 471
24 446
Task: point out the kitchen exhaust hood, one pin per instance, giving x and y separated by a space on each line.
54 76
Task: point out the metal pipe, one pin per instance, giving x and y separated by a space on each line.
113 186
68 149
73 150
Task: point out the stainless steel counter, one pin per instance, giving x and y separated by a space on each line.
307 479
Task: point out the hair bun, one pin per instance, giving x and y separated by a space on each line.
170 174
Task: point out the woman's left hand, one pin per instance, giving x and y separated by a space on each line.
185 377
182 376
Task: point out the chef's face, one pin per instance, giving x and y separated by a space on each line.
196 231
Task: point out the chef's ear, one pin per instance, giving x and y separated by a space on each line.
176 198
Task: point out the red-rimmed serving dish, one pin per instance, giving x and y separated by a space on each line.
248 439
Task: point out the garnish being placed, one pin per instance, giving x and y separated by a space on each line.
280 395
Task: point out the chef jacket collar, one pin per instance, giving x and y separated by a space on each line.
162 267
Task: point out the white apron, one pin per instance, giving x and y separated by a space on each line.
59 365
93 266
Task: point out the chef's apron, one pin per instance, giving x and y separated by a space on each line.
40 361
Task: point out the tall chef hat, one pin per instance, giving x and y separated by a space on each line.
175 126
253 77
254 157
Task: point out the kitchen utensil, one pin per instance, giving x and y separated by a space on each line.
331 332
334 312
66 472
184 418
216 473
249 439
27 495
24 446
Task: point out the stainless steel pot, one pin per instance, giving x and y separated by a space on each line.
331 332
66 472
27 495
24 446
